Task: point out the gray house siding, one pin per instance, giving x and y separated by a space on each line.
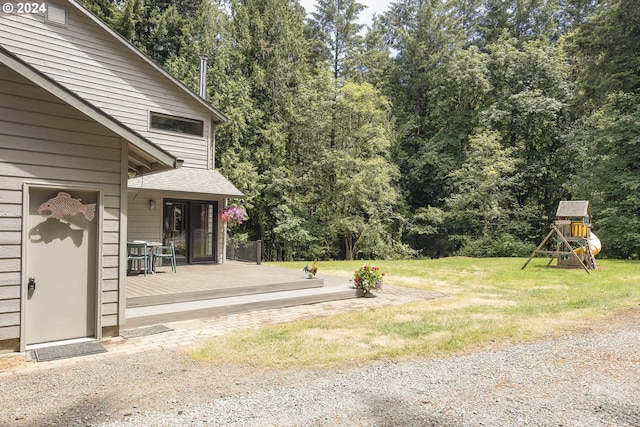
146 224
142 223
45 141
88 60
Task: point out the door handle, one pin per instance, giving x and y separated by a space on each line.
31 286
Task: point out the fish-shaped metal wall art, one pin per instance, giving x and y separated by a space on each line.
63 204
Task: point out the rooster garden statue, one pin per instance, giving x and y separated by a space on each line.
311 272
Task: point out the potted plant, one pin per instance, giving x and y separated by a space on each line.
367 280
232 215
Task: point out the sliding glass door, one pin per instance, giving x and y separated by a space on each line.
203 234
175 227
191 225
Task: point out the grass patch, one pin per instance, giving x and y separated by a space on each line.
491 302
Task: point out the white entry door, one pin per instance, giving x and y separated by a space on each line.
61 264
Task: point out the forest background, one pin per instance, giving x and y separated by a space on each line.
446 127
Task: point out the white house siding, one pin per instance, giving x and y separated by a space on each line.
87 59
43 140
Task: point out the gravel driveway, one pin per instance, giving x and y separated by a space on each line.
589 377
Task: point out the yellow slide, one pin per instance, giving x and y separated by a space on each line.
594 243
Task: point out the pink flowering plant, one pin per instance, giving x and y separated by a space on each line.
232 215
368 277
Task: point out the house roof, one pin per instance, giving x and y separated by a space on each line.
218 116
142 152
197 181
573 208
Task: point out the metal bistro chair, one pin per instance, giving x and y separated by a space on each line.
168 252
138 253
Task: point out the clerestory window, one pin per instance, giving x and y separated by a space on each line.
177 124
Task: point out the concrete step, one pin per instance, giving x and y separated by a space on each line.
210 294
178 311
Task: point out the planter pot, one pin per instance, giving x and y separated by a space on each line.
363 293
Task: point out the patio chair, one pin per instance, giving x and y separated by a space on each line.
165 252
138 253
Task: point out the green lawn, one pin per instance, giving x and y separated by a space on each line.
489 302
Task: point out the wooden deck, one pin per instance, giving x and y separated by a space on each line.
214 289
214 280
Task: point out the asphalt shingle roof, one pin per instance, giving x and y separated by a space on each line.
187 180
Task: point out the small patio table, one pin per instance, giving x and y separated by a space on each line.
151 246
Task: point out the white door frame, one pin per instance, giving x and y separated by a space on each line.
24 276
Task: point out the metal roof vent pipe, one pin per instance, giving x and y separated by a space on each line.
203 76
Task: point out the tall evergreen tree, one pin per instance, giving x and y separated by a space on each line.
608 144
468 106
269 51
434 84
606 51
335 22
103 9
373 60
521 19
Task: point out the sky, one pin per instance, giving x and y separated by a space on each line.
373 7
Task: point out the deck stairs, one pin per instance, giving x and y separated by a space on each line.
145 310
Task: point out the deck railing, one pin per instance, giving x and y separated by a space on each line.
250 251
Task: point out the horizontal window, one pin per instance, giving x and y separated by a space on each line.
177 124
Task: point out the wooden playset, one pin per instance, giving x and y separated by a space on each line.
575 246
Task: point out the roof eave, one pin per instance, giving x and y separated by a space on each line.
162 160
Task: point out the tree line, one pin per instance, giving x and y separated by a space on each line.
446 127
